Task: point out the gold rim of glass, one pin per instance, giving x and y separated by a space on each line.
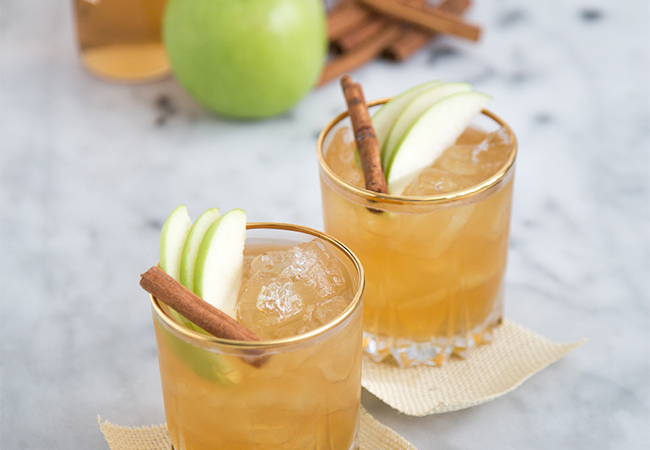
354 304
423 200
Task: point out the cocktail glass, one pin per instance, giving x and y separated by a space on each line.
291 393
434 264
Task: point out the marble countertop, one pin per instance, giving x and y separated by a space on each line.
91 169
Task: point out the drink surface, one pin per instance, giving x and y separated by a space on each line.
305 394
287 291
121 39
434 274
476 156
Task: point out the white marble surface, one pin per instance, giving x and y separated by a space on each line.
91 169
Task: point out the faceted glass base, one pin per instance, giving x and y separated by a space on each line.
434 352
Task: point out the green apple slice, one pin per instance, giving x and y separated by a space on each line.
203 362
383 119
192 244
220 260
433 132
416 107
172 240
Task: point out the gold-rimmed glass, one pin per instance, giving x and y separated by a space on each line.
305 394
434 264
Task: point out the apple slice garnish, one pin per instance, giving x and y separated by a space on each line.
172 240
415 108
384 118
192 244
433 132
220 260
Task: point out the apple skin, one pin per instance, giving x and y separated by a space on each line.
430 135
246 58
220 261
388 113
172 240
192 245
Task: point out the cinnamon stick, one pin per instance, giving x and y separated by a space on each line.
361 32
413 38
169 291
364 135
432 20
339 6
345 16
364 53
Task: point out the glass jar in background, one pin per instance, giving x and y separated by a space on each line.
120 40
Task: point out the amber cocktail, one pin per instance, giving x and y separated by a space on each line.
299 387
435 256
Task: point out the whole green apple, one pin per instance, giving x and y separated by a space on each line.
246 58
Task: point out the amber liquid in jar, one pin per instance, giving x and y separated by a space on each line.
121 40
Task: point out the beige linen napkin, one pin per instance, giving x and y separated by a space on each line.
372 436
491 371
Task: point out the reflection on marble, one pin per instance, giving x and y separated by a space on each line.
90 169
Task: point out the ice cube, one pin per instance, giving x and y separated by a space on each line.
279 298
267 301
353 175
246 272
462 159
434 181
341 157
309 264
329 309
482 159
463 165
293 290
325 311
265 262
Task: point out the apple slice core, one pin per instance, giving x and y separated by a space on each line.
192 244
219 262
435 131
172 240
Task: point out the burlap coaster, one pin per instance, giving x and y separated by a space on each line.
372 436
491 371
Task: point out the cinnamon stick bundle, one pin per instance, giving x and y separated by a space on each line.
363 30
345 16
360 33
360 55
393 30
413 39
432 20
